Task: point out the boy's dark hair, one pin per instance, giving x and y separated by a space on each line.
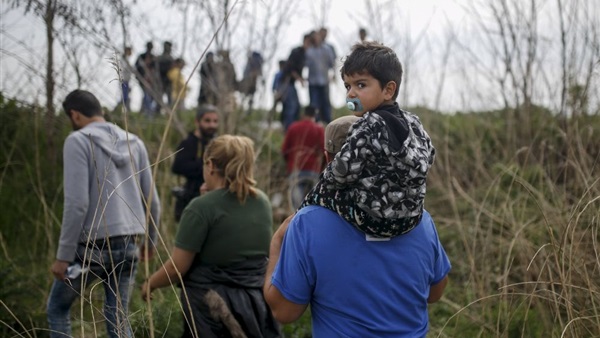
376 60
82 101
282 63
310 111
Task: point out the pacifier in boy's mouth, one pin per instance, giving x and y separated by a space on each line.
354 104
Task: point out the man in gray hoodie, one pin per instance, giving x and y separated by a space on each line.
111 205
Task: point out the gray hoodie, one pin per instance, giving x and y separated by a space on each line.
107 186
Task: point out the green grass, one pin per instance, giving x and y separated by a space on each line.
516 206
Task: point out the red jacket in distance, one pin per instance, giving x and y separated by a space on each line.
303 147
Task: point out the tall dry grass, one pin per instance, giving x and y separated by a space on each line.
520 222
518 216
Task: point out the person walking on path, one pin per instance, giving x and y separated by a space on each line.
208 81
319 258
178 86
108 194
221 247
165 63
147 74
126 78
302 149
190 152
319 60
292 73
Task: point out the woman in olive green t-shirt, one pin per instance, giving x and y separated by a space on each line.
221 248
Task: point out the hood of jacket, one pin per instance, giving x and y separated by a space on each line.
114 141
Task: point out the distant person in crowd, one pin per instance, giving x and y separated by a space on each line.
147 69
188 159
278 80
126 78
226 82
107 189
323 33
227 75
319 61
177 81
302 150
208 81
357 286
252 72
221 248
293 73
278 87
362 34
165 64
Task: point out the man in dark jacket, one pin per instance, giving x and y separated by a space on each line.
208 81
188 160
165 62
147 68
291 73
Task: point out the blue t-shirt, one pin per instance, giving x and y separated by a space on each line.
358 287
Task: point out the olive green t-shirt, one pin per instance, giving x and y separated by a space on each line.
222 231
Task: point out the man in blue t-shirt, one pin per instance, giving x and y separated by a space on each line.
356 285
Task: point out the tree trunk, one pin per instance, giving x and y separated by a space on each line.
50 116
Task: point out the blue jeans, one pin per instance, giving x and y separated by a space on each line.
115 267
148 105
291 106
125 90
319 99
300 184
